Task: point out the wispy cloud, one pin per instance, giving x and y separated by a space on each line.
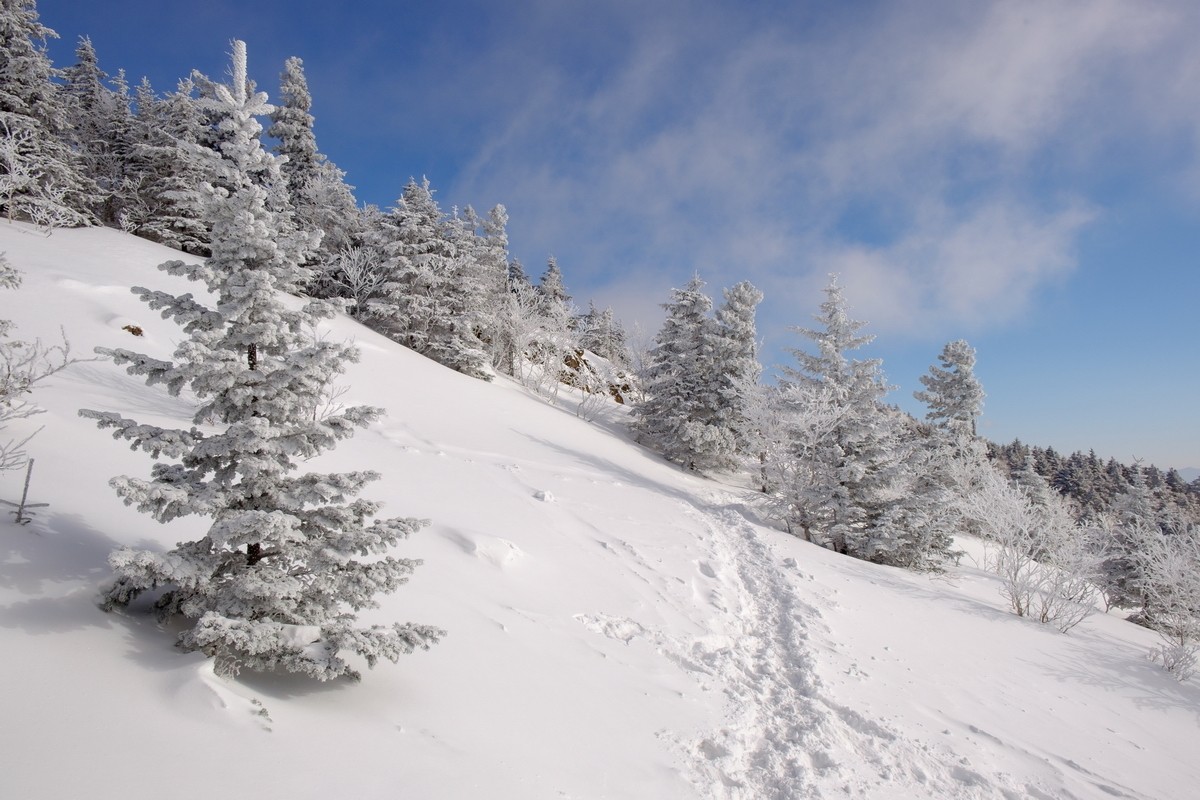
942 156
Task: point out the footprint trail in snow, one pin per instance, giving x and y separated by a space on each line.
781 736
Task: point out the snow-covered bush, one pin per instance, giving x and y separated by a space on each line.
1168 579
23 364
1047 566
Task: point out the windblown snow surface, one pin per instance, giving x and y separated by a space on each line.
618 628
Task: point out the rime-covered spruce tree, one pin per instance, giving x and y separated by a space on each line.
167 169
40 177
860 491
682 414
316 187
100 126
288 559
422 302
952 392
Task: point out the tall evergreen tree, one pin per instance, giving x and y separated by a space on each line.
682 414
169 168
424 301
277 578
100 123
601 332
40 178
853 497
551 284
316 188
952 392
737 370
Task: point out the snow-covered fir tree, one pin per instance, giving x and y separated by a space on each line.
1133 514
859 493
681 416
316 187
1027 479
551 285
288 559
424 301
486 249
100 122
517 274
737 369
952 392
167 169
40 178
853 470
556 341
602 333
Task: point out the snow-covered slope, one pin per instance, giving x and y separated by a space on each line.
617 628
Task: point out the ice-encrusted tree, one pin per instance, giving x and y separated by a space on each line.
288 559
551 285
168 169
316 187
952 392
682 414
860 492
1168 580
1044 559
423 302
1133 512
40 178
482 243
100 123
737 369
603 334
854 468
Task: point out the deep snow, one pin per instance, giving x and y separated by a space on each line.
618 628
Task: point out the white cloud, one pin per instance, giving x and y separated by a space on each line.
921 149
969 272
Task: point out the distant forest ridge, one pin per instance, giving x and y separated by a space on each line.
1093 483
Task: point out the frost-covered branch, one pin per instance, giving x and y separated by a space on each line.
1168 569
23 365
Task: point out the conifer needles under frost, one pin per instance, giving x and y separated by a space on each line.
288 559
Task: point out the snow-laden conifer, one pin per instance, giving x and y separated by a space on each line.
423 303
484 245
316 187
601 332
288 559
551 285
681 416
100 123
40 178
855 481
952 392
855 466
737 369
167 170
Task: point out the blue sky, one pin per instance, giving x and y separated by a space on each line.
1024 174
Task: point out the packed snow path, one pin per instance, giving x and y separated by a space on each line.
784 735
